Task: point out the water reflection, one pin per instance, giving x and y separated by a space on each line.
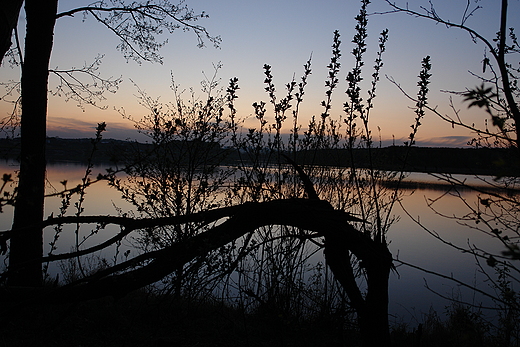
409 298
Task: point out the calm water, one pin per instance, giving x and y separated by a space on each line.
409 297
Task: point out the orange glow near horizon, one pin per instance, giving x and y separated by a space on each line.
285 43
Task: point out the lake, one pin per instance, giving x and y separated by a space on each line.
409 297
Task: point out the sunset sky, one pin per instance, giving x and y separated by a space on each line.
283 34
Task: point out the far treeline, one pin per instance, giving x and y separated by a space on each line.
478 161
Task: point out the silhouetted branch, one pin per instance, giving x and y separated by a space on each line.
10 123
9 13
316 216
309 187
137 24
450 244
447 118
74 88
451 278
498 52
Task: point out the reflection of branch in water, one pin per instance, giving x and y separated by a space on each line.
451 278
461 249
492 214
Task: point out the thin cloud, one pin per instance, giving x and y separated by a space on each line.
445 141
75 128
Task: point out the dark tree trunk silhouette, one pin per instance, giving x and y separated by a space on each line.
9 13
376 259
138 44
26 243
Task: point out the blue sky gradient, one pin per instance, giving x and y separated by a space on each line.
283 34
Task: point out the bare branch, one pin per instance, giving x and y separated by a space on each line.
498 53
139 23
451 278
72 86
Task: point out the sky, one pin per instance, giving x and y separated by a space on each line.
283 34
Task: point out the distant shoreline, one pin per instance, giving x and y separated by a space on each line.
468 161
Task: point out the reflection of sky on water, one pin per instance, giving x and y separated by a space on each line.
409 298
412 244
100 199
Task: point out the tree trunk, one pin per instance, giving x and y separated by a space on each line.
373 317
504 72
9 13
27 242
371 309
